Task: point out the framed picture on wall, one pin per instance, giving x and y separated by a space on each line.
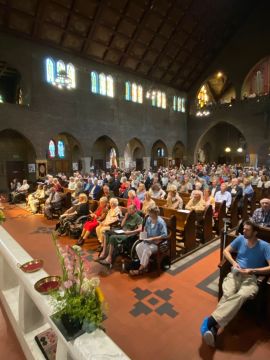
31 168
41 169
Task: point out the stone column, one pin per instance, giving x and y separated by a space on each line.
253 160
86 164
146 162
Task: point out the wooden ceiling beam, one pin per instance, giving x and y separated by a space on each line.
97 17
137 31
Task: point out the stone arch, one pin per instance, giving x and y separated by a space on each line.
212 143
264 154
159 154
134 153
16 152
71 160
102 155
178 153
10 84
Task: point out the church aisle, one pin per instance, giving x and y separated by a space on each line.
152 317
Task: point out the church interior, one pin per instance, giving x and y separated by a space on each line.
134 179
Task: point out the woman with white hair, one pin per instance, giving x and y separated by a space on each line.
112 217
174 200
133 200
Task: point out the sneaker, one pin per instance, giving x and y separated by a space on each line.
204 326
209 337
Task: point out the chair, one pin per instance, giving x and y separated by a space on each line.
164 250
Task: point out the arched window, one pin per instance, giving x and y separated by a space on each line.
94 82
160 152
154 98
163 101
102 84
134 92
109 86
51 149
203 96
158 99
183 105
61 149
140 94
71 75
127 91
50 70
60 66
259 85
113 158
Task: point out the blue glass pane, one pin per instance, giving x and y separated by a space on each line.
51 149
61 149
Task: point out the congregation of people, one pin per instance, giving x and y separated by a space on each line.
113 226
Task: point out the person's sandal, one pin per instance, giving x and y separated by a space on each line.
80 242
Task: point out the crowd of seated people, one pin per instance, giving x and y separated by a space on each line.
200 185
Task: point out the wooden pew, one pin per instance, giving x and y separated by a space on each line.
160 202
167 247
234 212
185 228
204 224
220 214
244 210
185 197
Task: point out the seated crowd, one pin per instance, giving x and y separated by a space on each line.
139 224
201 186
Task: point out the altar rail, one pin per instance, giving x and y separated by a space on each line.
29 312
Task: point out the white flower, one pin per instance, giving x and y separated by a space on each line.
76 248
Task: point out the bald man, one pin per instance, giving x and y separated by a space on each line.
261 216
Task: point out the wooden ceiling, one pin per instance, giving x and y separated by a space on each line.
168 41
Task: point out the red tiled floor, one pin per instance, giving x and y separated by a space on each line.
152 335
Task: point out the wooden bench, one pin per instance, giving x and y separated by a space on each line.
185 229
166 248
219 215
204 224
233 212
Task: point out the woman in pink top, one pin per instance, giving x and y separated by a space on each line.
132 199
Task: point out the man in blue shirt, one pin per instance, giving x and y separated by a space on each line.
253 258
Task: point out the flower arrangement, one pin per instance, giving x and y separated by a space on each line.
2 217
81 298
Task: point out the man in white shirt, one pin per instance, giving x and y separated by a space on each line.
222 195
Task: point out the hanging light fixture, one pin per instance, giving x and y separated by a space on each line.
228 149
240 150
62 80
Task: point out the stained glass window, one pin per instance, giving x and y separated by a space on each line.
134 92
102 84
60 66
128 91
160 152
94 82
175 103
163 101
50 70
140 94
61 149
113 158
183 107
51 149
203 97
109 86
158 99
71 75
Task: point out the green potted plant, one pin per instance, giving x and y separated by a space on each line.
79 304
